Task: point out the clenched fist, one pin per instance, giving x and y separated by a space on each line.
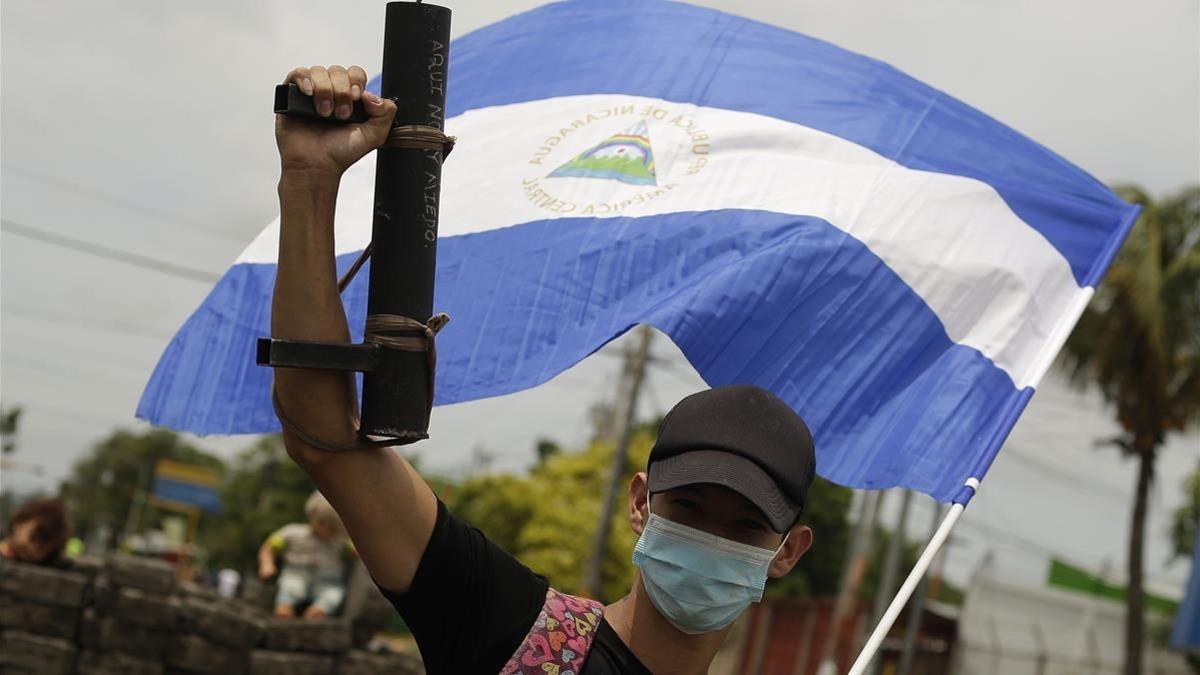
326 150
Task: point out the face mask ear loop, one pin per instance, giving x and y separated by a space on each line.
782 544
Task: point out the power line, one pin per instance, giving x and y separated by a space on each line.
11 358
996 535
91 419
109 253
683 373
1064 477
71 320
71 186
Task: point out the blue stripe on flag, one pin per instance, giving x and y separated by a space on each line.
764 298
682 53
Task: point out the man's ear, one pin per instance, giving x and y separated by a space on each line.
639 505
800 538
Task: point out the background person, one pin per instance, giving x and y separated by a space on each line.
314 557
38 532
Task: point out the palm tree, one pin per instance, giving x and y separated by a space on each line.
1139 342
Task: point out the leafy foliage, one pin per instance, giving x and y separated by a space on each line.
544 518
820 570
1187 516
1138 341
10 419
102 485
264 491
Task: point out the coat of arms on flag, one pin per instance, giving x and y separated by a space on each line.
626 157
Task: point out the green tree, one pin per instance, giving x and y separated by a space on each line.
546 447
545 518
10 419
263 491
499 504
1139 343
1187 516
103 485
820 571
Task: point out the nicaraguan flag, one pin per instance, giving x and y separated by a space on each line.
896 265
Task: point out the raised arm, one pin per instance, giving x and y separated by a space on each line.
387 508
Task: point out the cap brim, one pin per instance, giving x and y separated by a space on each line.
729 470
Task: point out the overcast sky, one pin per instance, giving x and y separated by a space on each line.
144 125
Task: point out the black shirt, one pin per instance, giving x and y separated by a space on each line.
471 604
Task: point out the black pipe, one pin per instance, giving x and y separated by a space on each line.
396 382
416 42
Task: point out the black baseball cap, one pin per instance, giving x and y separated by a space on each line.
744 438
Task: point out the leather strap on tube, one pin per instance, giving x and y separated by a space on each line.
392 332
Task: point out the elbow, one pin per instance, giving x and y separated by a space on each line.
315 451
312 447
315 430
304 454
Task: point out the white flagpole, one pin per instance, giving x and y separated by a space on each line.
910 584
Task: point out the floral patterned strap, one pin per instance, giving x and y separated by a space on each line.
559 640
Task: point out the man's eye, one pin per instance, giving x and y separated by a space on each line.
753 525
688 504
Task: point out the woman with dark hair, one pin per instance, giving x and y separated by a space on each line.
38 531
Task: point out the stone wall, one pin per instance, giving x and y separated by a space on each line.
127 615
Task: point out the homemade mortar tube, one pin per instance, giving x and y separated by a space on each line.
396 383
408 184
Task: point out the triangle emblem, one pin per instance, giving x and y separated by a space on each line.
625 156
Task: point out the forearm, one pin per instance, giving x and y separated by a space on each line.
306 306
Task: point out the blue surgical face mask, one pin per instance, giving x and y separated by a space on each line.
700 582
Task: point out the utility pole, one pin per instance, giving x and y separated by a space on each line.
633 373
826 667
133 518
862 628
891 565
852 576
916 606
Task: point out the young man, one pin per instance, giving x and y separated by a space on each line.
716 513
